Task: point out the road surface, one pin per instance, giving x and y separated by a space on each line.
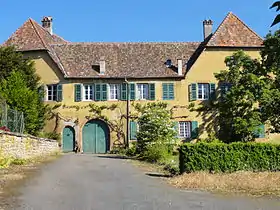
91 182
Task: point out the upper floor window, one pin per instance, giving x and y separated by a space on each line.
51 92
88 92
114 91
142 91
203 91
185 129
167 91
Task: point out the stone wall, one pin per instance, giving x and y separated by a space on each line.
25 146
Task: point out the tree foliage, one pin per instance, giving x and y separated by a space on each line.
277 18
156 129
239 115
19 87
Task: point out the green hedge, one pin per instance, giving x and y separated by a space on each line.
221 157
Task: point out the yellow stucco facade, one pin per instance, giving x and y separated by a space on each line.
77 114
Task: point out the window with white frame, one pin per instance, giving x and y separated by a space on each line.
88 92
142 91
203 91
114 93
185 129
51 92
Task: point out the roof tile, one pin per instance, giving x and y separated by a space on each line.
233 32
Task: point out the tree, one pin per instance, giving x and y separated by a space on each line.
156 131
270 100
277 18
11 60
238 111
19 87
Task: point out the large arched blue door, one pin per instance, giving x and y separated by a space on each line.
95 137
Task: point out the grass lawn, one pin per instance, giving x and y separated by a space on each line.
242 182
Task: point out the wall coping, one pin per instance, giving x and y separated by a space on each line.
26 136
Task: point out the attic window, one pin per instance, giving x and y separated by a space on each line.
96 67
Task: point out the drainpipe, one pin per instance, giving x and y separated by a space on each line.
127 113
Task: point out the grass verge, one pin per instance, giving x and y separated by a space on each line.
242 182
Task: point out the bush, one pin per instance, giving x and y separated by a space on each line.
221 157
156 153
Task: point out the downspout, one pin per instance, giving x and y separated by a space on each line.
127 113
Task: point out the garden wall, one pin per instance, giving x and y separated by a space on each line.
25 146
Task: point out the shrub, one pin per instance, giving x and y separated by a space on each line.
221 157
156 153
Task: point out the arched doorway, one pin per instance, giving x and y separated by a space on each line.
68 139
95 137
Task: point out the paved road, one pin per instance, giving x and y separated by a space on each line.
85 182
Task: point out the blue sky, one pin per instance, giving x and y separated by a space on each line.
133 20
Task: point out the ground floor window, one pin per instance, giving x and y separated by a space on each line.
185 129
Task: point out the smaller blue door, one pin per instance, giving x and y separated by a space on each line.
68 139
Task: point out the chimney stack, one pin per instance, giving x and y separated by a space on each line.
180 67
102 64
207 28
47 24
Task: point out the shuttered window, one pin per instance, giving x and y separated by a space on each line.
152 91
133 130
114 92
78 92
168 91
142 91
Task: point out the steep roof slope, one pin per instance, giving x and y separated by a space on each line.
233 32
32 36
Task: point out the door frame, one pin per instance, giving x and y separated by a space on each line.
108 143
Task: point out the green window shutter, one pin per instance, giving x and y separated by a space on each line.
97 91
176 128
171 91
212 88
152 92
164 91
194 128
133 130
260 131
193 91
103 92
132 91
123 91
78 92
59 93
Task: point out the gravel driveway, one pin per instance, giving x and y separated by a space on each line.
85 182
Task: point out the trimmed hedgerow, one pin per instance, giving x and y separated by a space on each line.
221 157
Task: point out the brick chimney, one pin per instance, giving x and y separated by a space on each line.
47 24
207 28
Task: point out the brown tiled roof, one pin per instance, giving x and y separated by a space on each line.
134 60
32 36
233 32
137 60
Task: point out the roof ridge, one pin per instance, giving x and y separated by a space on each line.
99 43
38 34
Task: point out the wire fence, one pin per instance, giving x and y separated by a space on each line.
11 119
